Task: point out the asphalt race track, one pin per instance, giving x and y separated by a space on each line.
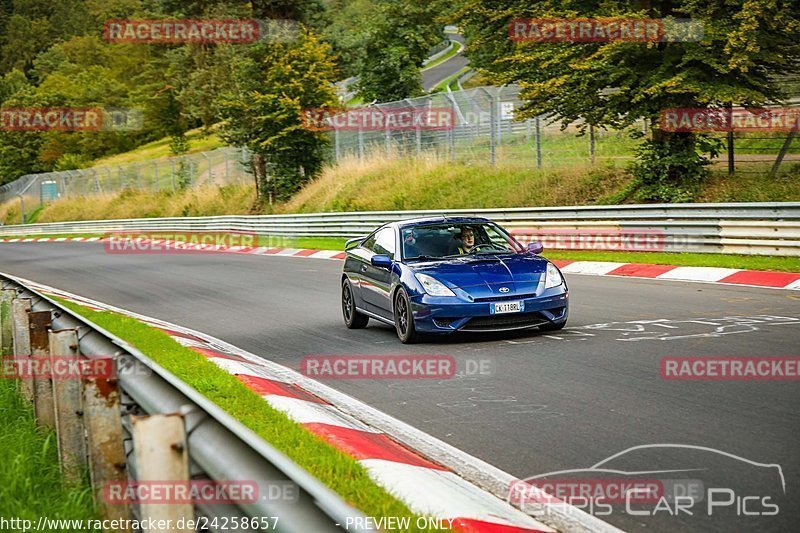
435 75
554 402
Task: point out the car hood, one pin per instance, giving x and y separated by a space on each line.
485 276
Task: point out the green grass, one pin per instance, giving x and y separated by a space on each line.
454 49
31 484
442 85
199 141
340 472
748 262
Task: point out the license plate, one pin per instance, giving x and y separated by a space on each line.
505 307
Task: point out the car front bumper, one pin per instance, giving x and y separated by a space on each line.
437 314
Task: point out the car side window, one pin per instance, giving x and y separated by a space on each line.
384 242
369 242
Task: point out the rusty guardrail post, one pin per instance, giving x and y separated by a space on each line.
22 339
159 442
68 407
6 336
43 406
103 422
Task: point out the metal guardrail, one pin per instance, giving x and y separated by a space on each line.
741 228
219 447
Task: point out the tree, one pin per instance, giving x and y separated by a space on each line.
745 43
397 43
263 111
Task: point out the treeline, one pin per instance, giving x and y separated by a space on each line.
54 54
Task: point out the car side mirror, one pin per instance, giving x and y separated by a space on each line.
535 247
380 260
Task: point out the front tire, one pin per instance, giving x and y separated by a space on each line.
352 318
404 319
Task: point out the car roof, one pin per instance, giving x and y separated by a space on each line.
421 221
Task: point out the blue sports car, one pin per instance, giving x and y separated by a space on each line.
447 274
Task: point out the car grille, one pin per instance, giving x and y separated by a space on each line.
500 322
505 297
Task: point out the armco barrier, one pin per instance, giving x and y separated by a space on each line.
741 228
102 423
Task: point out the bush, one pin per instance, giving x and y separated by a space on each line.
669 169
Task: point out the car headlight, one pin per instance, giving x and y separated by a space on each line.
553 276
433 286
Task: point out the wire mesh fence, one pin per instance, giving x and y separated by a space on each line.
484 128
473 125
219 167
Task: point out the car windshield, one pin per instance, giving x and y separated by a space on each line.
437 241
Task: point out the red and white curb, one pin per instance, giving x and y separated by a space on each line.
724 276
427 487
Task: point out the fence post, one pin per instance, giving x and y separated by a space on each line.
492 125
172 164
138 176
104 432
159 442
360 142
208 160
499 115
43 406
155 175
336 143
591 143
538 142
6 335
21 334
782 153
68 407
731 164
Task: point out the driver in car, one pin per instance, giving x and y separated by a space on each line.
467 237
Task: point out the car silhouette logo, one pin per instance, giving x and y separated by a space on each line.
504 289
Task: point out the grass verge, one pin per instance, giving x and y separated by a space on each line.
31 485
340 472
455 48
746 262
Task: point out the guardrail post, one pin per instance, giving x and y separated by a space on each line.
159 442
68 407
101 410
6 336
43 406
22 339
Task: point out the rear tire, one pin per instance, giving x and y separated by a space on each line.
404 319
553 327
352 318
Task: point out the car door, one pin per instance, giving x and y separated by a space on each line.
376 282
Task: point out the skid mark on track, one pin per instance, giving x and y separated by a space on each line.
664 329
